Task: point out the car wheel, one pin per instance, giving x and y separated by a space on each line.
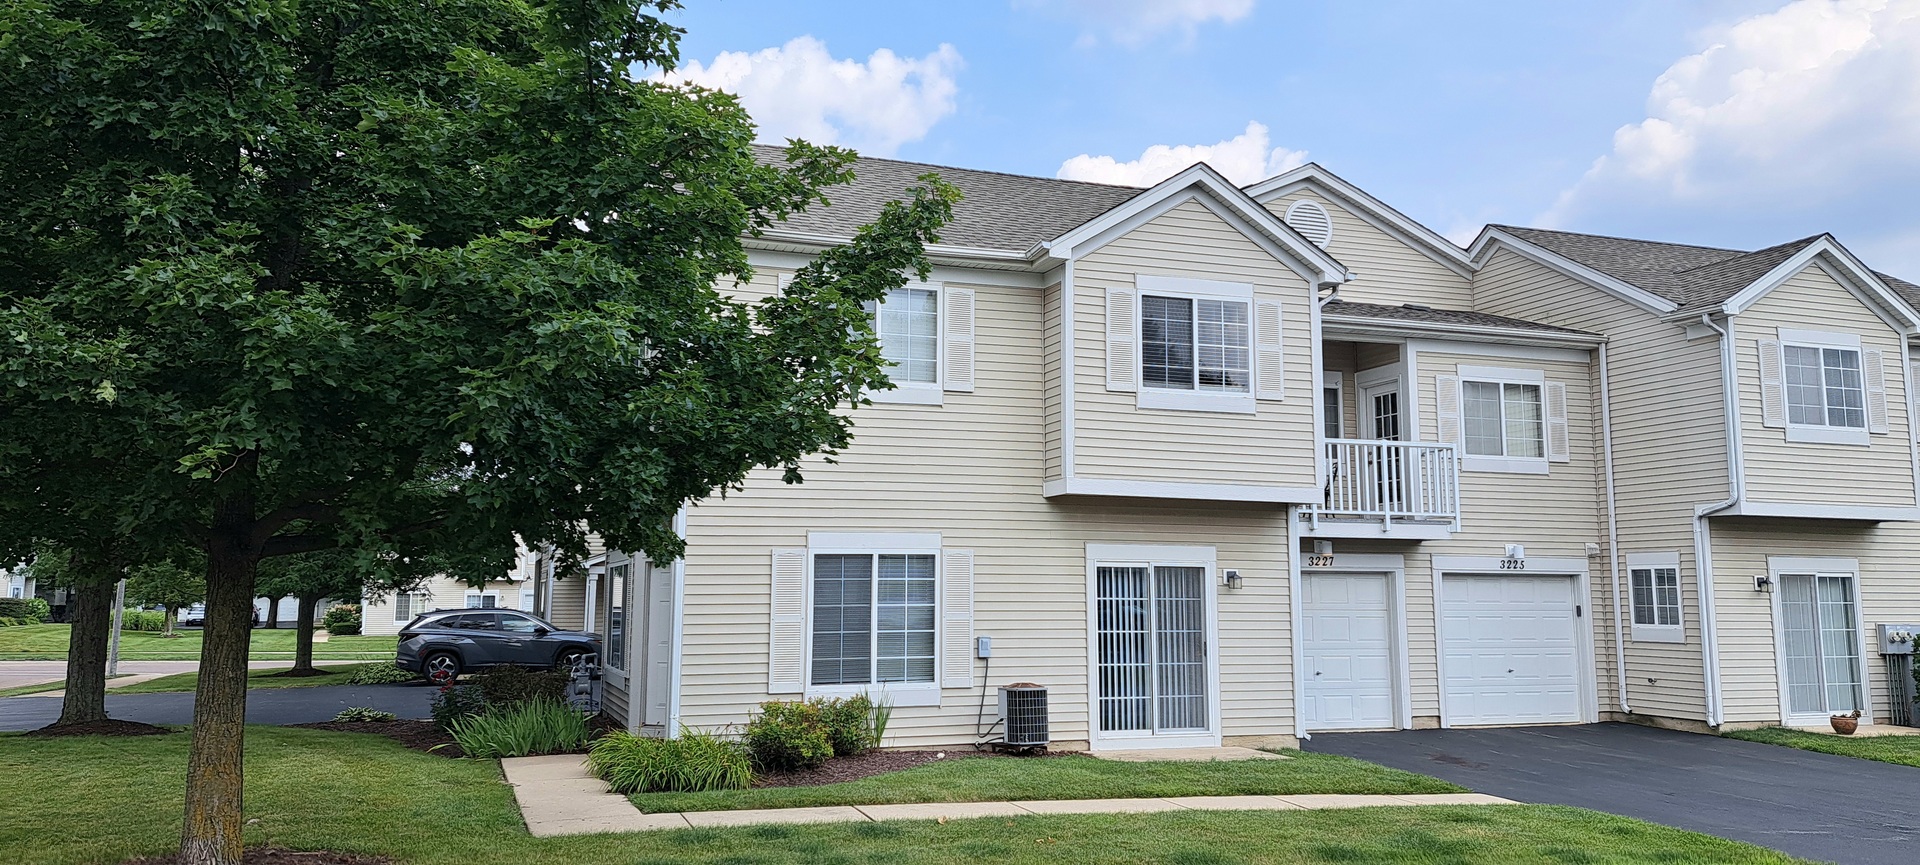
568 658
440 667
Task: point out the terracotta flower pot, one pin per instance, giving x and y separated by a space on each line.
1845 724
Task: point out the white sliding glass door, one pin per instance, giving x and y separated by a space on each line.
1820 644
1152 649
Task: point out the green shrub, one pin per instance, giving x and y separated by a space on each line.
509 685
788 736
142 620
849 724
529 729
693 763
382 673
24 611
342 620
456 703
363 713
9 622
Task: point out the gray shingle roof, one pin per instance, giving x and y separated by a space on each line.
1008 212
1431 315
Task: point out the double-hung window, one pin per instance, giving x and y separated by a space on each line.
406 605
1196 345
1822 387
486 600
907 323
1654 590
874 619
1503 419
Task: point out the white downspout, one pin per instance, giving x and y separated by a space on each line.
1613 533
1703 534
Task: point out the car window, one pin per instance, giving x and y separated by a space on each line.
517 624
483 621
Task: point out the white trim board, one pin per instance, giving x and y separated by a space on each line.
1077 486
1508 352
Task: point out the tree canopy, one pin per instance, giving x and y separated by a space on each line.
398 277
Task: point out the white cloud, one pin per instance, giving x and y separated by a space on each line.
1135 21
1244 158
1808 109
799 90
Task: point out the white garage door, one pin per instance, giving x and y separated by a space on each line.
1509 650
1347 622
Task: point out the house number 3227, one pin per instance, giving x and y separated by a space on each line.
1319 561
1513 564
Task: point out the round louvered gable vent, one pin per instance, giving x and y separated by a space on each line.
1312 221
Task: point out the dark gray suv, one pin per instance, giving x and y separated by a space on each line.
445 643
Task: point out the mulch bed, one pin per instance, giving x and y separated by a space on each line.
841 769
418 735
277 856
108 727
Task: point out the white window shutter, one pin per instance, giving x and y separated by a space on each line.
786 657
1773 391
1913 396
956 618
1123 354
1559 446
1873 366
1270 360
957 342
1446 408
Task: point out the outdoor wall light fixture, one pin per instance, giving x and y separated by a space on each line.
1762 583
1231 579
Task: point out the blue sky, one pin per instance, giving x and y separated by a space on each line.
1727 122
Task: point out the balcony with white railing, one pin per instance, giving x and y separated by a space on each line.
1387 489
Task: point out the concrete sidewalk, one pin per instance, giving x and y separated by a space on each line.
558 797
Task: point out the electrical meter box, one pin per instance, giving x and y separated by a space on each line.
1898 639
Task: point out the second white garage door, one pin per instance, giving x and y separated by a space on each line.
1348 628
1510 650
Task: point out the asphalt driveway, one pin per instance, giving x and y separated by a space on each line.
1819 806
264 706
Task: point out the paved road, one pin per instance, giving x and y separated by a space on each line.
264 706
1836 809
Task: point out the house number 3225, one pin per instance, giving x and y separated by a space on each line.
1513 564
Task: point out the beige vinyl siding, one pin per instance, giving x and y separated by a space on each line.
1669 456
971 470
1051 372
1778 470
1115 439
1386 269
1749 672
1554 515
568 604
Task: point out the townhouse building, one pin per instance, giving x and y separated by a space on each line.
1225 465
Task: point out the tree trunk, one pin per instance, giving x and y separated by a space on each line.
303 638
168 630
90 609
273 611
212 831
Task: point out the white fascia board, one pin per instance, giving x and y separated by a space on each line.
1342 325
1201 492
1790 510
1372 210
1483 247
1844 268
974 275
1202 176
804 242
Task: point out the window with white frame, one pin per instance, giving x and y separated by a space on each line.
485 600
1503 419
406 605
1653 583
874 619
907 322
1332 413
1196 344
1824 386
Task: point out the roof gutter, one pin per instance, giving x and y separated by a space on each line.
1396 328
1613 532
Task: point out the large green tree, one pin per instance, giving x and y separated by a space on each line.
172 584
399 277
334 573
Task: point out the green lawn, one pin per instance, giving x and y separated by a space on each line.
1070 777
1904 750
96 800
255 679
49 643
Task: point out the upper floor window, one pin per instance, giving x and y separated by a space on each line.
1822 387
1825 387
1503 419
1195 344
907 321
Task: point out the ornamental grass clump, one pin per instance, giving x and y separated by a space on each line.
692 763
527 729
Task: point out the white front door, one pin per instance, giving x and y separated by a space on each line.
1510 650
1347 625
